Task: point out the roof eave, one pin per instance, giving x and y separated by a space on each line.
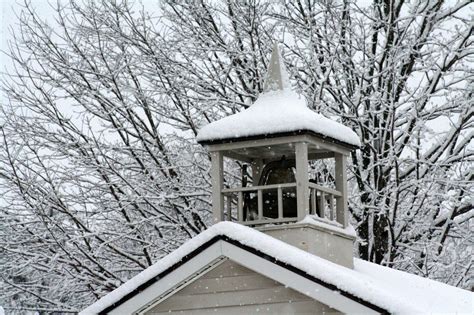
253 250
349 146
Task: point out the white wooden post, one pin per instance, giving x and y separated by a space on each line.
341 186
331 207
313 201
302 189
280 202
322 205
228 211
217 174
240 209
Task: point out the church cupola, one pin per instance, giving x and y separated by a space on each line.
296 256
277 137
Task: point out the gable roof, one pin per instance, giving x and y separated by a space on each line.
277 111
379 288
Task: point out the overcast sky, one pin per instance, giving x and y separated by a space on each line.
9 9
5 19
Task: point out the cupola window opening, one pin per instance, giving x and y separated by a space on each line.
277 172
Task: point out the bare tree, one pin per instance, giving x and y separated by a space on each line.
400 73
99 168
94 190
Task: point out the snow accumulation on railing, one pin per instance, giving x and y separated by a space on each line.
258 205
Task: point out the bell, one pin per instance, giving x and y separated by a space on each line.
276 172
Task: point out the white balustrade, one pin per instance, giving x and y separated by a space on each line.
322 203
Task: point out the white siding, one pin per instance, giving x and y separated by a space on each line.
233 289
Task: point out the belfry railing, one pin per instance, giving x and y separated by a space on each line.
236 196
322 202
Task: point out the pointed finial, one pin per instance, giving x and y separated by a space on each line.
277 76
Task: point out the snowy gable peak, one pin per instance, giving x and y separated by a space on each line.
395 291
278 110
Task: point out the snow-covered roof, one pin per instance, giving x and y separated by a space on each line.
277 110
392 290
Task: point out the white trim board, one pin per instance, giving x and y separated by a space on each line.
210 257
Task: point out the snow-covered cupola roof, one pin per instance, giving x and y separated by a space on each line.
278 111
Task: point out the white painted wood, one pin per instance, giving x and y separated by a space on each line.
294 281
313 200
217 177
269 221
295 307
208 258
228 216
280 202
325 189
321 205
276 73
327 241
240 204
255 188
250 281
315 142
265 142
260 204
231 298
331 206
234 287
302 180
331 228
326 145
175 280
227 269
341 185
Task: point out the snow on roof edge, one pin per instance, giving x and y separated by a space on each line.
297 132
273 113
357 283
328 224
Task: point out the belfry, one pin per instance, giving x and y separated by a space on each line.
277 137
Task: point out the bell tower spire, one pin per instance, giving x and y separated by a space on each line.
277 77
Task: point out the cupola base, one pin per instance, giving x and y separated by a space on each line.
319 237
